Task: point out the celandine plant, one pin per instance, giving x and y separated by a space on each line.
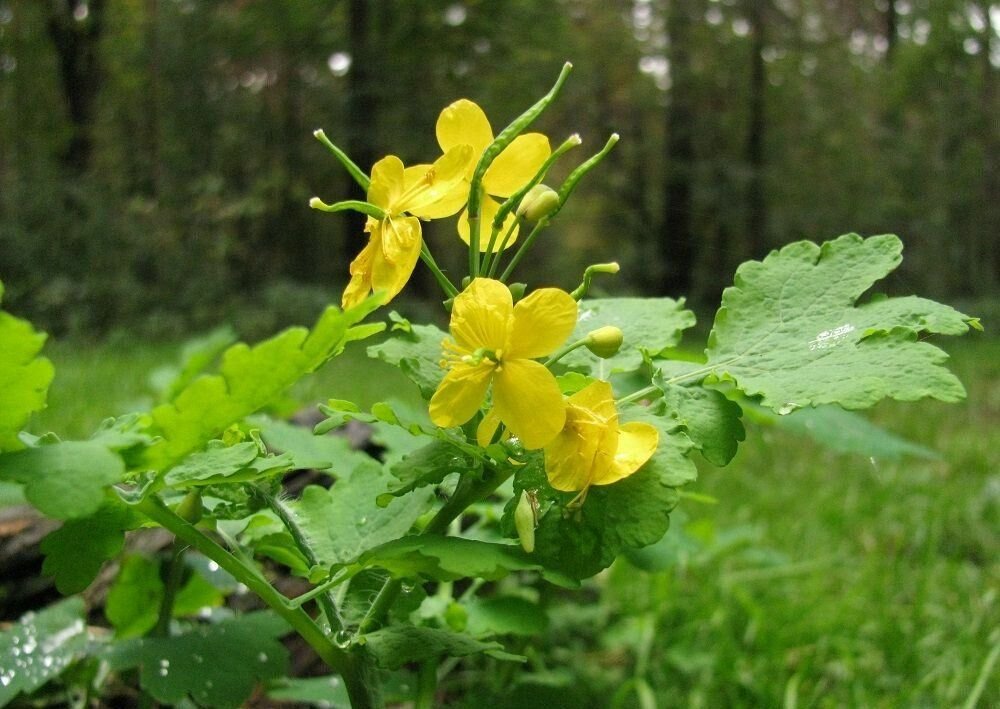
557 432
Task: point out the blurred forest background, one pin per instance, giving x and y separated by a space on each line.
157 157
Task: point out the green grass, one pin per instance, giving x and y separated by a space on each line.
817 580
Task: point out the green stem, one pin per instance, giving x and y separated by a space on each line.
356 172
588 276
467 492
525 245
175 574
446 285
426 685
324 600
495 262
565 351
650 392
499 144
303 624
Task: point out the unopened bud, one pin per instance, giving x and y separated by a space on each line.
525 518
517 290
190 509
605 341
538 203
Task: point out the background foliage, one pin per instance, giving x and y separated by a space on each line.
156 155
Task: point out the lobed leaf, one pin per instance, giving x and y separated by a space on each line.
213 665
249 378
398 645
711 421
24 376
649 326
64 480
416 351
344 521
792 332
75 552
40 646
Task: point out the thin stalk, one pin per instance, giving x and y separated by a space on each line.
356 172
506 137
303 624
426 685
467 492
175 574
565 351
525 245
446 285
324 600
494 257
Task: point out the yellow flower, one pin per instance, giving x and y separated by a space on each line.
593 449
404 194
464 123
496 341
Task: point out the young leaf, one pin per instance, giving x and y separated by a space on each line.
196 356
711 421
249 379
426 466
214 665
343 522
24 377
416 350
75 552
397 645
241 462
40 646
450 558
630 513
792 332
650 326
64 480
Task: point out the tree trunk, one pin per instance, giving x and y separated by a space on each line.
676 239
756 205
74 27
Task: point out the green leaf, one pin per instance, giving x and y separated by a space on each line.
650 326
40 646
425 466
133 602
75 552
196 356
64 480
343 522
397 645
304 445
327 692
450 558
241 462
213 665
24 377
505 615
844 432
630 513
249 379
416 350
711 421
791 332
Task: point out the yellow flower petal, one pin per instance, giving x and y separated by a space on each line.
447 205
437 183
488 213
480 316
637 443
528 401
542 323
360 284
393 263
516 165
464 123
487 428
387 182
460 394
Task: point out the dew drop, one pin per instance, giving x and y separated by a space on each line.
6 679
787 408
164 667
262 657
209 684
342 638
363 520
213 566
407 586
198 658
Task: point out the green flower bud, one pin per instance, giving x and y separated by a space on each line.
525 519
539 202
605 341
456 617
517 290
190 508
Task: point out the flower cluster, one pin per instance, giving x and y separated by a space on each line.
493 379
